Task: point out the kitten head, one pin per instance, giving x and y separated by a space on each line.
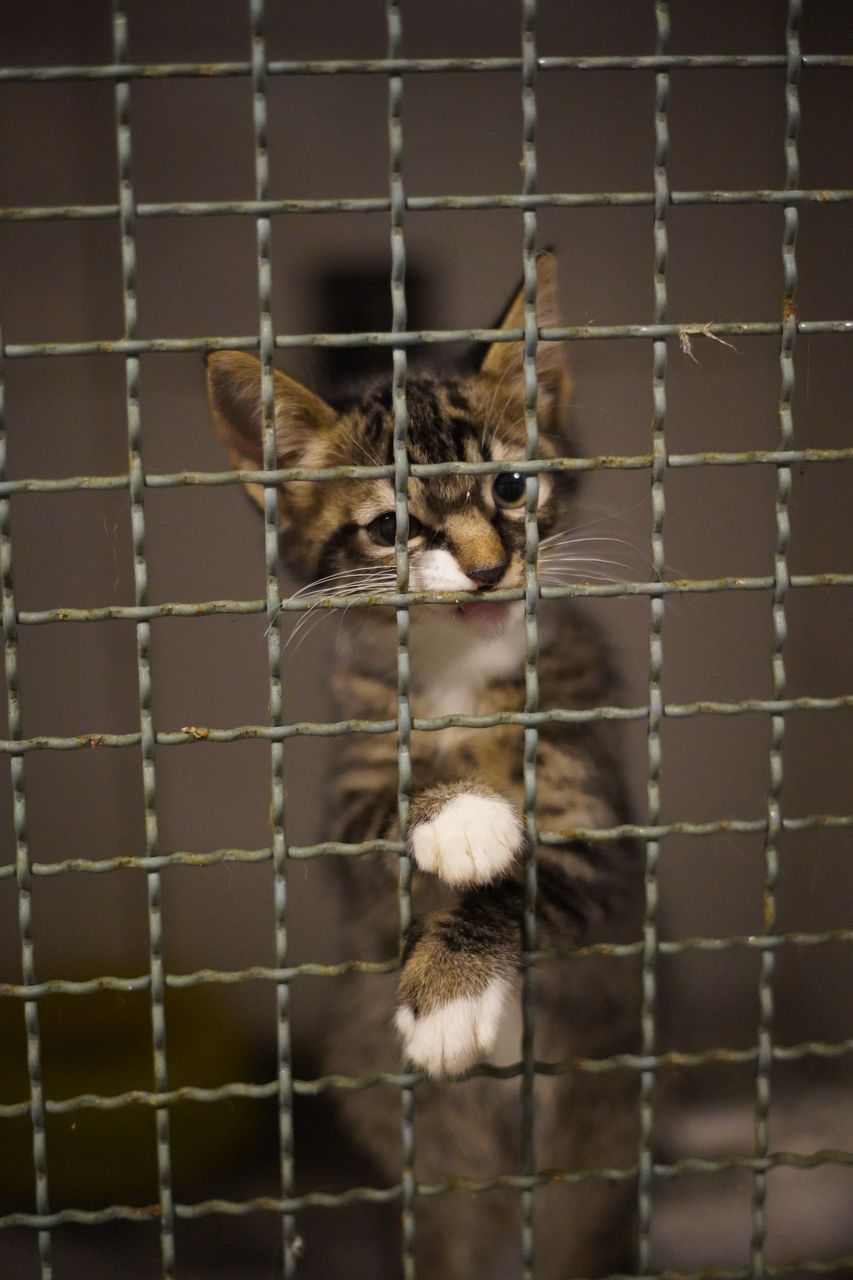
466 532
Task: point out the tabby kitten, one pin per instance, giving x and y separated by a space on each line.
456 1000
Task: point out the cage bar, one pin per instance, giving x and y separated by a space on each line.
422 204
420 337
21 869
273 635
399 323
645 1180
400 66
783 491
531 626
157 987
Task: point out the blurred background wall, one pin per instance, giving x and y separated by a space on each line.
61 280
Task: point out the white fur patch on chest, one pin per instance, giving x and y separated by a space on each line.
454 660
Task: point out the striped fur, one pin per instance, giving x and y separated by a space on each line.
456 998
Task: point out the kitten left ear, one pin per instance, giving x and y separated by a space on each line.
302 419
505 360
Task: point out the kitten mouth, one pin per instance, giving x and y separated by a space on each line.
483 610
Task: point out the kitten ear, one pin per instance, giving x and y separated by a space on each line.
505 360
301 417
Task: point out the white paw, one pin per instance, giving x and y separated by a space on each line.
471 841
449 1040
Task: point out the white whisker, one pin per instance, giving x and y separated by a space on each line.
373 581
549 545
355 573
565 559
583 566
568 578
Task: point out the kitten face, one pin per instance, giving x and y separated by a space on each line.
465 532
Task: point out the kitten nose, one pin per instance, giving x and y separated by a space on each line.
488 574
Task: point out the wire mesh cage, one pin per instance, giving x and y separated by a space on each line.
802 590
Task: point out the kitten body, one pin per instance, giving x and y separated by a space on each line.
456 999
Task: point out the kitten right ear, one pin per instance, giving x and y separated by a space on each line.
504 361
302 419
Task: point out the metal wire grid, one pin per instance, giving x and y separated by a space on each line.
656 606
399 321
277 810
780 591
531 655
648 1062
157 986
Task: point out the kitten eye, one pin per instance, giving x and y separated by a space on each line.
510 489
383 530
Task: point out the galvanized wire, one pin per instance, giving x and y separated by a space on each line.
192 734
399 321
420 337
157 987
22 868
382 1195
280 475
408 66
531 630
206 608
214 857
261 973
266 334
648 1009
421 204
371 1080
780 631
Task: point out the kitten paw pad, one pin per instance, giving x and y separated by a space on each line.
456 1035
472 840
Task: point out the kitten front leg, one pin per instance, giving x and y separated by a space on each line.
457 972
459 965
464 833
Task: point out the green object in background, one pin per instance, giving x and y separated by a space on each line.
101 1044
